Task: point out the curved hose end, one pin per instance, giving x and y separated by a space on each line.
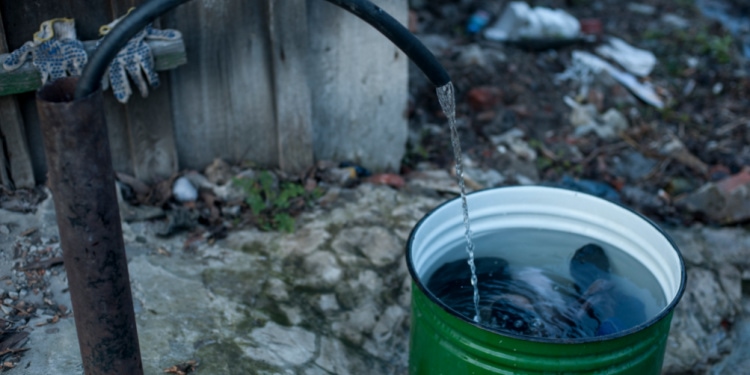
440 78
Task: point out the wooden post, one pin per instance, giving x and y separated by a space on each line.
293 110
17 172
222 101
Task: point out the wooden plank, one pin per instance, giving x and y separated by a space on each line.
288 32
222 102
151 134
167 55
4 166
359 87
15 161
150 123
118 133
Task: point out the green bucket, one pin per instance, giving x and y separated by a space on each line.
446 342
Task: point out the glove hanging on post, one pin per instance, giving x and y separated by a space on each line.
135 58
55 51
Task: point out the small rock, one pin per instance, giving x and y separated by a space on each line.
229 193
276 290
377 244
391 318
405 298
328 303
13 295
706 299
739 360
303 242
472 54
321 270
513 139
436 43
357 323
644 9
8 302
690 245
614 122
294 345
219 172
368 281
4 230
333 356
675 21
484 97
183 190
485 178
641 198
293 314
730 279
677 150
439 180
390 179
726 201
231 211
633 165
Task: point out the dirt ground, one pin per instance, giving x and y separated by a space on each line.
700 74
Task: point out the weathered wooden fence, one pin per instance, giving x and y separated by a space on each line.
281 83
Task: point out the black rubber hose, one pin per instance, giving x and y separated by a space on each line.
400 36
139 18
148 12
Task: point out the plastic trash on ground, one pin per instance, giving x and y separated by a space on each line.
586 120
521 22
584 65
635 60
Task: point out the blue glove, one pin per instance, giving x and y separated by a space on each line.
55 51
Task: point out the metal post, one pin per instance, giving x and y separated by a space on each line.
81 179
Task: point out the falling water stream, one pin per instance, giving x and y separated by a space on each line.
447 101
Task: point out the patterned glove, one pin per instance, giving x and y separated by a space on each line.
136 59
55 51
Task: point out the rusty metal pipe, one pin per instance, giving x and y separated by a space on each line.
82 182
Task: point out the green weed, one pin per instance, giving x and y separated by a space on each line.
272 204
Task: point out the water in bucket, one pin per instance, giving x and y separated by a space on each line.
541 283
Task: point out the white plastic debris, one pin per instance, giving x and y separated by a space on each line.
183 190
585 119
513 139
519 21
584 64
635 60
